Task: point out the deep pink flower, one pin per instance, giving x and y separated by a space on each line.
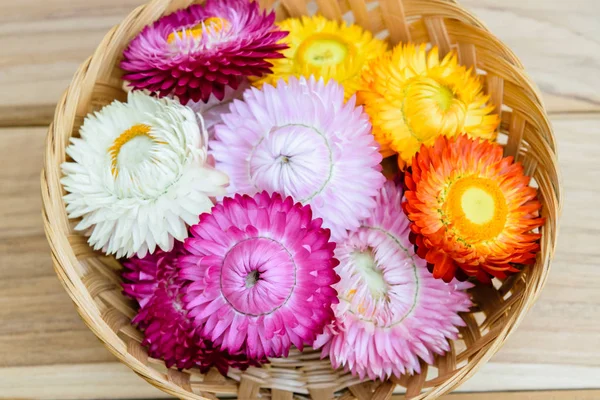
301 139
168 333
392 311
199 50
260 271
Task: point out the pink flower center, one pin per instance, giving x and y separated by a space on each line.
294 159
258 276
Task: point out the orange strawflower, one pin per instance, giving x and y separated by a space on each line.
471 208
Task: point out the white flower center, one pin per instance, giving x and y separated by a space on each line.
131 147
142 162
295 160
135 151
372 275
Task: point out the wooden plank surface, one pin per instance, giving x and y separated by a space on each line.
557 41
557 346
114 380
39 323
541 395
43 43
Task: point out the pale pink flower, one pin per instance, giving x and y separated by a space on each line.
392 312
300 139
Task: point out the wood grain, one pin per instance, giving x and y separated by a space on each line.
558 43
111 380
114 380
556 347
43 43
542 395
39 323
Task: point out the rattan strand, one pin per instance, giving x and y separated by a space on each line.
92 280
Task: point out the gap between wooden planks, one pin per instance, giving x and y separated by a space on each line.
555 39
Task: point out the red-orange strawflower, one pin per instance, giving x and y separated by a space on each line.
471 208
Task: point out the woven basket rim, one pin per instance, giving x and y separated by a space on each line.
65 253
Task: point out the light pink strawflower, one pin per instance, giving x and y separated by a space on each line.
212 110
300 139
168 332
260 271
392 311
200 50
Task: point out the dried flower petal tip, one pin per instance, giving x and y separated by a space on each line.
472 210
200 50
392 312
412 98
260 272
212 110
325 49
300 139
169 335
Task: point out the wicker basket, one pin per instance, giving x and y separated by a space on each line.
93 280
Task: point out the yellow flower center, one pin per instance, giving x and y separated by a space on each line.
140 131
431 109
323 49
212 24
476 208
444 98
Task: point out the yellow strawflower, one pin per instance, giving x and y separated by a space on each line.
412 98
326 49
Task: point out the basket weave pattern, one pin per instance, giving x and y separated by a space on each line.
93 279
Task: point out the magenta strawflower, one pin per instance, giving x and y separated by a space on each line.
168 332
260 271
198 51
392 311
300 139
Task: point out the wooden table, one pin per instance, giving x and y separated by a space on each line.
47 352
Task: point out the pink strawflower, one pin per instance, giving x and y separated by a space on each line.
168 332
392 311
198 51
300 139
212 110
260 271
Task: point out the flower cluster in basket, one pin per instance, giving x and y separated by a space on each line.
299 183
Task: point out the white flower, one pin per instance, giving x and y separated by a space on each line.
139 176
